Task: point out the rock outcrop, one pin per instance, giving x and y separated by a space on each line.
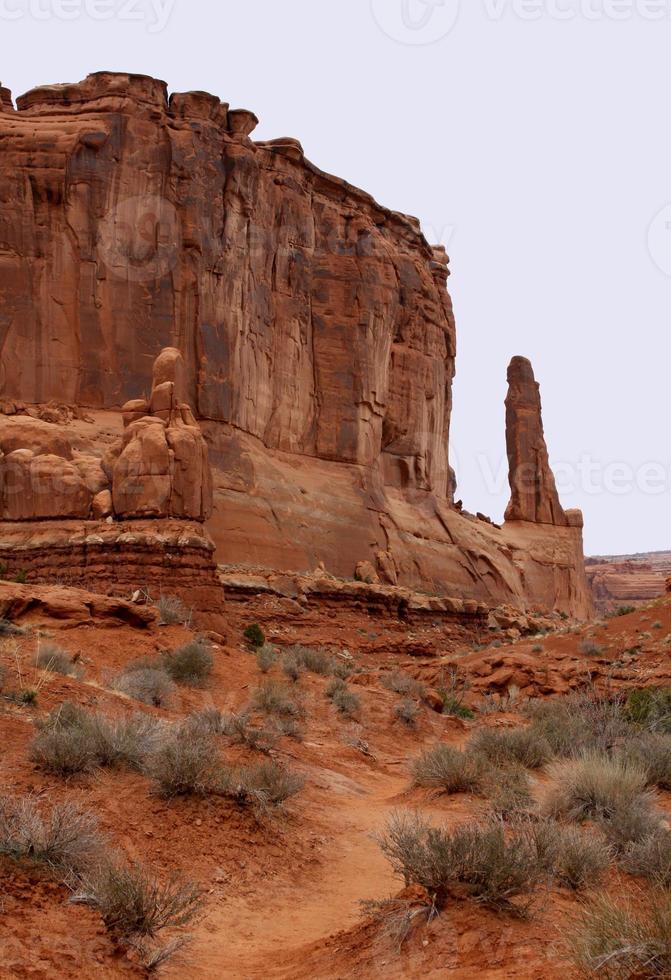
317 335
163 469
159 469
532 484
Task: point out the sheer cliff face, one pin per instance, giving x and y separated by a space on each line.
315 326
309 317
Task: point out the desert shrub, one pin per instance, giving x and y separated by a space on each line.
449 770
292 667
343 669
53 658
509 792
652 752
611 939
575 859
288 727
111 742
172 611
620 611
64 837
589 648
407 712
650 857
185 764
580 858
404 684
503 746
274 698
594 787
62 751
316 661
190 664
27 696
239 728
266 658
453 689
485 862
150 685
340 696
456 708
7 628
579 722
267 785
630 823
236 726
254 636
132 902
651 708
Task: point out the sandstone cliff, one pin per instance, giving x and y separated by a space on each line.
628 580
315 326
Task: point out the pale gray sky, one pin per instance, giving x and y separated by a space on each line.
533 137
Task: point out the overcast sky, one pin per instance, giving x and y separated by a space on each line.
532 137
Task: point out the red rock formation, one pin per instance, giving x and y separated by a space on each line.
163 469
628 580
316 328
533 492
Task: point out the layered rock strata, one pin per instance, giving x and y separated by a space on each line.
317 336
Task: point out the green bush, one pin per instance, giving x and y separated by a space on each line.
650 707
456 708
254 636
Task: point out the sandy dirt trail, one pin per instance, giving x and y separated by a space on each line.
241 939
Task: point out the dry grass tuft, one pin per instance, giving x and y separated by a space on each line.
450 770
